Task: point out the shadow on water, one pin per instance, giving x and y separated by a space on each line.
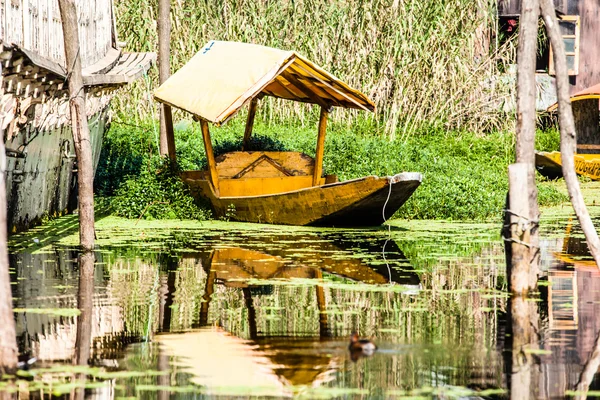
197 312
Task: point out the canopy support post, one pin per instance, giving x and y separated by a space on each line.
210 156
320 145
167 138
169 131
249 124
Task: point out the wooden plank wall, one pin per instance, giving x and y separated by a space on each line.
513 7
589 51
509 7
36 25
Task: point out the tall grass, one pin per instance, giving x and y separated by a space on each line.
423 62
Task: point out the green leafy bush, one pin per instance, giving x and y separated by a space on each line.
547 140
125 148
464 174
157 193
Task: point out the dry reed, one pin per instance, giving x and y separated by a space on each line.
424 62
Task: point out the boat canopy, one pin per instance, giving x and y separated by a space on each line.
223 76
593 92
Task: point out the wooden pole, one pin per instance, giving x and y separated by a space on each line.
320 146
210 156
524 328
167 123
85 294
83 335
209 289
567 130
526 122
208 292
79 125
249 124
520 228
8 337
167 135
164 379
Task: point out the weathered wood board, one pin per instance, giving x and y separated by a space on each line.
264 164
587 125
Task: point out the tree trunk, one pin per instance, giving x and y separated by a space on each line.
523 254
526 120
81 131
167 137
589 372
567 130
8 339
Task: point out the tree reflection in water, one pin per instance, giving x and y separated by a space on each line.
83 341
524 341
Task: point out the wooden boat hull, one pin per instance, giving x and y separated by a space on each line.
357 202
550 165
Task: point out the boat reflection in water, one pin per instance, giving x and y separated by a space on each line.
273 364
263 314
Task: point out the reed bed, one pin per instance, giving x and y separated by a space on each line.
424 62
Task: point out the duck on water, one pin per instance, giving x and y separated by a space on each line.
363 347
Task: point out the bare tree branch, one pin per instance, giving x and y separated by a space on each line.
568 141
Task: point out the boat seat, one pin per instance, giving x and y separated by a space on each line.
256 173
264 164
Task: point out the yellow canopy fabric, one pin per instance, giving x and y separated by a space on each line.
223 76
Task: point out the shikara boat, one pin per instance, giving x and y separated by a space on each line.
266 186
549 164
586 114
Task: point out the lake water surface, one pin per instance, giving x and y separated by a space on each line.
184 309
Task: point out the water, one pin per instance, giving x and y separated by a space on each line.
216 310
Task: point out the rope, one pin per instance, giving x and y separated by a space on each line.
528 245
389 233
68 77
533 221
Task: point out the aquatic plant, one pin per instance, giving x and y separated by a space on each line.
464 173
157 193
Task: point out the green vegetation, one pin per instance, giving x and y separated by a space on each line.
423 62
157 192
429 66
464 173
